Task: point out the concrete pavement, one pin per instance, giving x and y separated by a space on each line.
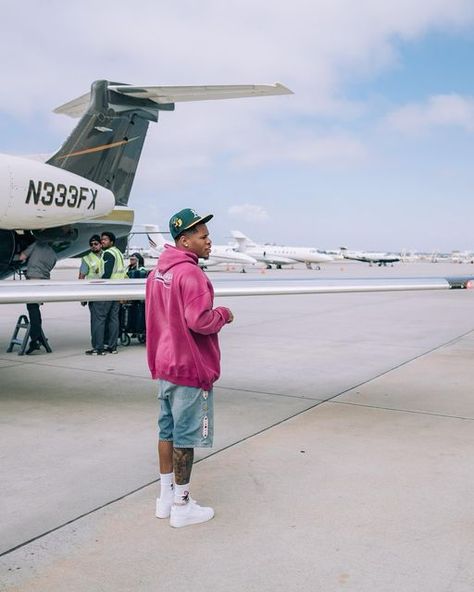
342 460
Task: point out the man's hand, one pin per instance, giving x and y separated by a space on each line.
231 316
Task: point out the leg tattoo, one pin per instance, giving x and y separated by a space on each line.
182 464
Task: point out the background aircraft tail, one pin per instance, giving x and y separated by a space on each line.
242 241
156 240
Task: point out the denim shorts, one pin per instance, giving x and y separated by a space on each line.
186 415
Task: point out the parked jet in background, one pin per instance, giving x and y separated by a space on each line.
381 259
279 255
220 254
84 187
462 257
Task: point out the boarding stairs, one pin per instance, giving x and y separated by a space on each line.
23 322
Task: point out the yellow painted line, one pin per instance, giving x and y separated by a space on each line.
98 148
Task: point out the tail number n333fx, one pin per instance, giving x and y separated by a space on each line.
35 195
60 195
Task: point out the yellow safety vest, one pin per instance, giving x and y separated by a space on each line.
119 272
95 264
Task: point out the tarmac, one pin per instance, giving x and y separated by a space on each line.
342 460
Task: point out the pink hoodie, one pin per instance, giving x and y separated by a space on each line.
181 325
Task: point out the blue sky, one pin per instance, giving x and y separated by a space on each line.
373 151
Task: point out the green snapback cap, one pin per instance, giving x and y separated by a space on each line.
186 219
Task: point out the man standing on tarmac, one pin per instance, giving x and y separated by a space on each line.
92 268
40 259
183 353
114 269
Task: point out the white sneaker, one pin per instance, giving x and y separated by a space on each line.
190 513
163 508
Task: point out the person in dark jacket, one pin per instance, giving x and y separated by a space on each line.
136 308
40 259
136 268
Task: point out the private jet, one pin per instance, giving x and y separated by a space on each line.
220 254
279 255
381 259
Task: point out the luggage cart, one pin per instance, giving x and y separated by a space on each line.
132 322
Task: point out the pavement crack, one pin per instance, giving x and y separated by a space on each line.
412 411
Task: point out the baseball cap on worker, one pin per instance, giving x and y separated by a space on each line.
186 219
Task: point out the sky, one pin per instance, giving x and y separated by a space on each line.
374 150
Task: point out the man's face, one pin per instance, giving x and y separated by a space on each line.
95 246
198 242
106 242
133 261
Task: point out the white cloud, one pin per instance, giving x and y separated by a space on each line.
437 111
249 212
313 45
329 150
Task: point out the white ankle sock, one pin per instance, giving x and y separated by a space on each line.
166 485
181 494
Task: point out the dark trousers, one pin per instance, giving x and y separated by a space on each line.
35 321
104 323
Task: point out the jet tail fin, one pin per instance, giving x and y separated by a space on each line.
242 240
106 144
156 240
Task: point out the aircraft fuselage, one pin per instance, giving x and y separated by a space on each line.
35 195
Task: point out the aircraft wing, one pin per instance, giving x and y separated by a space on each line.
165 95
14 292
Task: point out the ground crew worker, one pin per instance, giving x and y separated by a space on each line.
92 264
114 269
92 268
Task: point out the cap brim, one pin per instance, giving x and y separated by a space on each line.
202 220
